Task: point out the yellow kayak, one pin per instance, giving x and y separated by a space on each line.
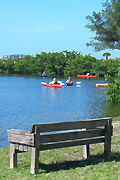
101 85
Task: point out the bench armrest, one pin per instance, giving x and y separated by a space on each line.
21 137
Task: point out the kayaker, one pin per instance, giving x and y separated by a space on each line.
54 81
88 74
43 73
69 80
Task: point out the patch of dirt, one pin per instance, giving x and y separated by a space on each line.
116 132
115 147
116 128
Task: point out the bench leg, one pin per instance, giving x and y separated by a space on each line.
107 143
34 160
86 151
107 148
13 156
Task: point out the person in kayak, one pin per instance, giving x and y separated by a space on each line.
88 74
43 73
54 81
69 80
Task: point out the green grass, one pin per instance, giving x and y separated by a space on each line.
66 164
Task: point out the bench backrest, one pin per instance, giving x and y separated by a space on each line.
66 134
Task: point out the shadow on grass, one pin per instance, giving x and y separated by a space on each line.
66 165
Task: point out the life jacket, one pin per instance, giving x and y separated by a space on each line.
69 80
55 82
43 73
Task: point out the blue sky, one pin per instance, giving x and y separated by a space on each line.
34 26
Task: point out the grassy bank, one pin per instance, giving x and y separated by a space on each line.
67 163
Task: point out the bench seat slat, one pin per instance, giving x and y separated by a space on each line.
71 135
25 147
61 126
71 143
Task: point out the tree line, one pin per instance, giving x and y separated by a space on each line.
64 63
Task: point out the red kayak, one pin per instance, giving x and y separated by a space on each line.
87 76
52 85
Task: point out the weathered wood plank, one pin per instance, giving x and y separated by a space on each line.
21 138
86 151
61 126
16 146
107 144
37 140
21 147
71 143
13 156
16 131
56 137
34 160
25 147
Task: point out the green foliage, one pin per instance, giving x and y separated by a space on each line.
113 88
9 66
106 54
60 63
2 66
106 25
80 65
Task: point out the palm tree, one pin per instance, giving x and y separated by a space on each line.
106 54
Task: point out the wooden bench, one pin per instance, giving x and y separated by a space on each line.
59 135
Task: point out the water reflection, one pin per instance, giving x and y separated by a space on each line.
112 109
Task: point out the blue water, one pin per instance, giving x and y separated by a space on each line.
24 101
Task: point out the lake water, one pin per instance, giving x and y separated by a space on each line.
24 101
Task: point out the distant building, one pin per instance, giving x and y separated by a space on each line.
14 56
